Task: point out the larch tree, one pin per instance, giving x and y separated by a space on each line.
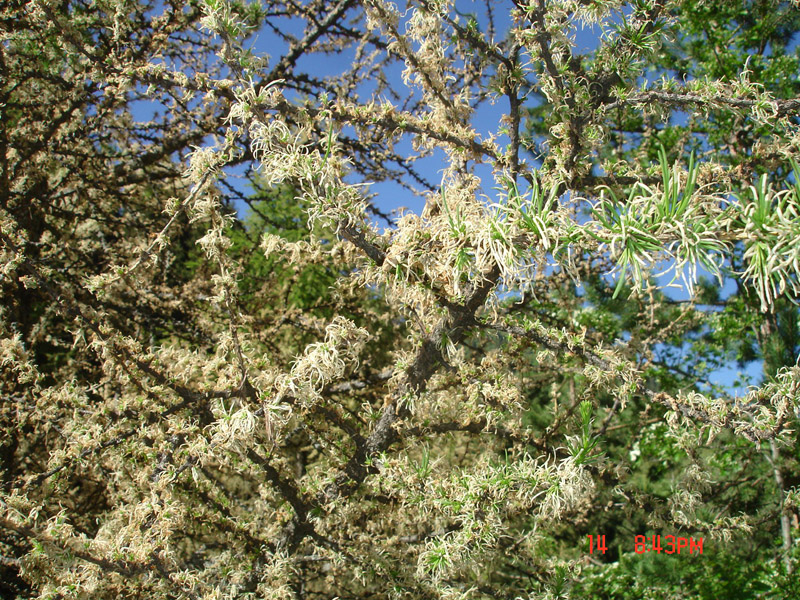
232 367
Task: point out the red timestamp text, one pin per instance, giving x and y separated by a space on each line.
668 544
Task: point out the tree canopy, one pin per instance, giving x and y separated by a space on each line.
233 366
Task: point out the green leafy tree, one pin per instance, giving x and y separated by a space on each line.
712 41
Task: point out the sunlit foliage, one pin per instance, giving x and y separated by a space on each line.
231 369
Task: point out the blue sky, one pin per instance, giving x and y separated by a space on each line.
391 196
